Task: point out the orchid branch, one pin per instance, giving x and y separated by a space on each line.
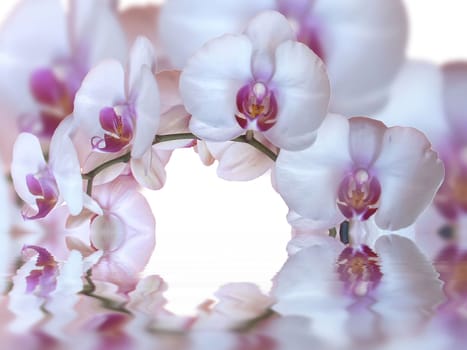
125 158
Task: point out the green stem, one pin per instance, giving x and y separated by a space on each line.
125 158
89 290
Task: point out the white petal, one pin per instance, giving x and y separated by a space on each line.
267 31
95 30
102 87
410 288
141 54
365 140
149 170
107 233
27 159
410 173
65 166
308 180
302 88
201 21
210 82
364 46
147 109
416 101
239 161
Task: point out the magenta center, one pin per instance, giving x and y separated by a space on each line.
359 269
117 125
257 107
358 195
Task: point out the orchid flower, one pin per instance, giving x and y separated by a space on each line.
119 111
370 34
391 173
267 83
358 294
45 185
47 52
123 232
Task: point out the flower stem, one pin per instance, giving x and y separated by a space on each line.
125 158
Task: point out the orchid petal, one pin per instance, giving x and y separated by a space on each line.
267 31
65 166
27 159
141 54
102 87
365 139
455 86
308 180
147 109
192 18
149 170
209 85
410 288
371 35
302 88
410 173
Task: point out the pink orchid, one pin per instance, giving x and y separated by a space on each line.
391 173
370 34
123 232
265 83
45 185
345 289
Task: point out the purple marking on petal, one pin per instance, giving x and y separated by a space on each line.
256 104
118 130
359 269
45 87
358 195
45 188
34 186
44 280
49 123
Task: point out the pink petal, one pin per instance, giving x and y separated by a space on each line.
410 173
302 92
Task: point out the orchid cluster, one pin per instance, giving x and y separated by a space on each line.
94 100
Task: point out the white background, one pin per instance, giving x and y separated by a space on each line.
210 232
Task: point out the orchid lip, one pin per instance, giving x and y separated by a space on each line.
359 269
358 195
118 130
257 106
44 187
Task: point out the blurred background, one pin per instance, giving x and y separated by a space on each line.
210 231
